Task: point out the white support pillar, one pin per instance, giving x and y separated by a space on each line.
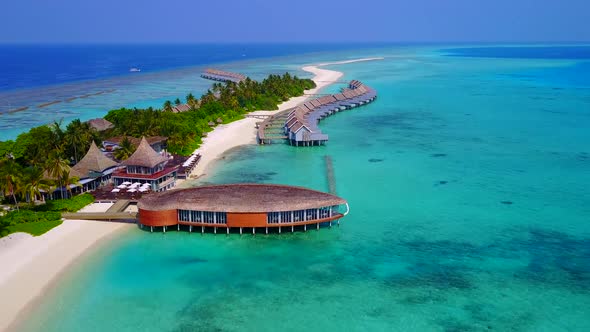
215 230
227 230
151 229
266 229
318 226
240 230
279 229
164 228
292 228
253 230
190 228
305 228
202 229
178 226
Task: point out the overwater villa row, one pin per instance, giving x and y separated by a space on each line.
222 76
301 126
253 206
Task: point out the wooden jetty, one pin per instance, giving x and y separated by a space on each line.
271 129
222 76
330 175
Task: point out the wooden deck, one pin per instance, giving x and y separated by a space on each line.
128 217
271 129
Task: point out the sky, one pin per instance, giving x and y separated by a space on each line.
193 21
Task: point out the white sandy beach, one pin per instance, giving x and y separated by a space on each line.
242 132
30 264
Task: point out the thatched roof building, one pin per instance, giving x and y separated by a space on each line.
100 124
93 162
144 156
180 108
240 205
244 198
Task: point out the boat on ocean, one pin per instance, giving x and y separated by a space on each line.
134 70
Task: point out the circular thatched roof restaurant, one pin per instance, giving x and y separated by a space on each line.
240 206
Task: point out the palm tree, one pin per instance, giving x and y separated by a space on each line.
177 102
168 106
10 178
190 99
58 134
125 149
56 167
78 136
33 182
67 181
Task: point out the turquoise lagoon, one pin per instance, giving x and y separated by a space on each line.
468 186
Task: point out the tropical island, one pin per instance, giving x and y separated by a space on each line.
37 166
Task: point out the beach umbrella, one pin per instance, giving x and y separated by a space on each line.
132 190
126 183
121 186
137 184
115 190
142 189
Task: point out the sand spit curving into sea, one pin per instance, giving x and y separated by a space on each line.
243 132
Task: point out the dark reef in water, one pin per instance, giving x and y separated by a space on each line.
375 160
438 155
506 202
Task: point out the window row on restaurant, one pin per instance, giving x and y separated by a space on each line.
206 217
285 217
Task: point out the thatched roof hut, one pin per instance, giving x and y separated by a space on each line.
219 120
211 123
144 156
240 198
180 108
100 124
93 161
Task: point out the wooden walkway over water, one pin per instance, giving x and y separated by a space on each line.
222 76
271 129
116 213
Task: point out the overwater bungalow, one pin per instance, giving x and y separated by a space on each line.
239 206
301 124
146 165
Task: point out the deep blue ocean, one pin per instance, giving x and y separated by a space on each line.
468 184
27 66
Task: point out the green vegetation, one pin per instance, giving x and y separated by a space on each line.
67 205
28 221
228 102
35 229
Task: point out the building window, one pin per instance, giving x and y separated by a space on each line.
286 217
311 214
272 217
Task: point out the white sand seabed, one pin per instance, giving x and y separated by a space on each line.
28 265
243 132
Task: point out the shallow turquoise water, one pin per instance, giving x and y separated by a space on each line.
468 186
